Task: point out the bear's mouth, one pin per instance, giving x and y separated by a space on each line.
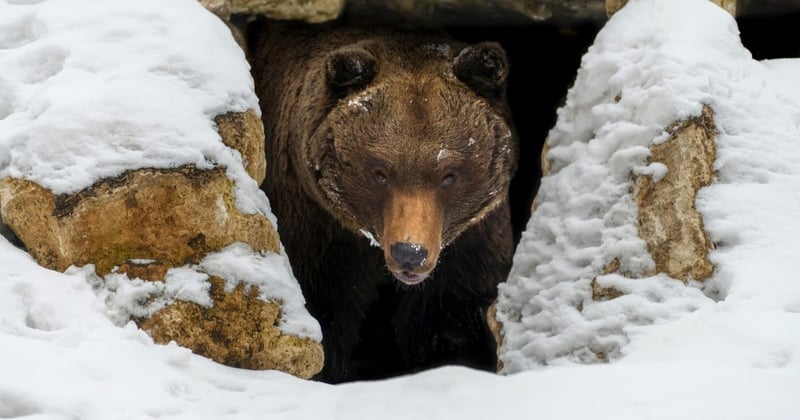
409 278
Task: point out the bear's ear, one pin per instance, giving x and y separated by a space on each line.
349 69
483 67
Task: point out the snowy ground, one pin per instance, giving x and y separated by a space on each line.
727 350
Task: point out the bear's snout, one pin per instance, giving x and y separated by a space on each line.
408 256
412 234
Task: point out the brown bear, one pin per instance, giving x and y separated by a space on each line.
389 157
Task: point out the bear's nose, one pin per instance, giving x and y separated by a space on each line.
408 256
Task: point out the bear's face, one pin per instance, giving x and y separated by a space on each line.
413 146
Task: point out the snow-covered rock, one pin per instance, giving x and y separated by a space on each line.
134 146
615 252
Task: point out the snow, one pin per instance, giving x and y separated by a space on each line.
729 348
272 274
370 237
162 83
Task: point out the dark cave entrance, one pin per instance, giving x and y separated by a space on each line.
772 36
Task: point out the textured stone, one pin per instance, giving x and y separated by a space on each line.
144 222
238 330
496 327
170 215
668 220
244 132
221 8
312 11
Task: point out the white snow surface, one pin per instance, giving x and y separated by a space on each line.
724 350
136 83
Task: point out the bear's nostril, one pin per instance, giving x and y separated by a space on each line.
408 256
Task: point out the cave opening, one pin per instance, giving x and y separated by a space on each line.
771 36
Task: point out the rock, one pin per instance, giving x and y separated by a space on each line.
146 222
220 8
244 132
238 330
668 220
79 229
311 11
496 327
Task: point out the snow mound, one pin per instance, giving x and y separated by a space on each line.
654 63
91 89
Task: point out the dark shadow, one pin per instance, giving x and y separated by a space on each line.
771 36
7 233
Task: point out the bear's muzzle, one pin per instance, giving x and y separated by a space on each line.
412 234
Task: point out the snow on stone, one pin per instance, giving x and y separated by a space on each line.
656 62
127 298
236 263
91 89
272 274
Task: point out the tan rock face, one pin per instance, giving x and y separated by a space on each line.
238 330
244 132
668 220
220 8
175 216
311 11
496 327
147 221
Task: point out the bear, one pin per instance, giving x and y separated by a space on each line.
389 157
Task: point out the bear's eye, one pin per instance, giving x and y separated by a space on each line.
448 181
380 177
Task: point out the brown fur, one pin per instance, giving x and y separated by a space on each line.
406 136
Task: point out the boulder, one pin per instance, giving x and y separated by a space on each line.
146 222
170 215
311 11
240 328
616 245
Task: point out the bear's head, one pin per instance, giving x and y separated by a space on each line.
412 143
